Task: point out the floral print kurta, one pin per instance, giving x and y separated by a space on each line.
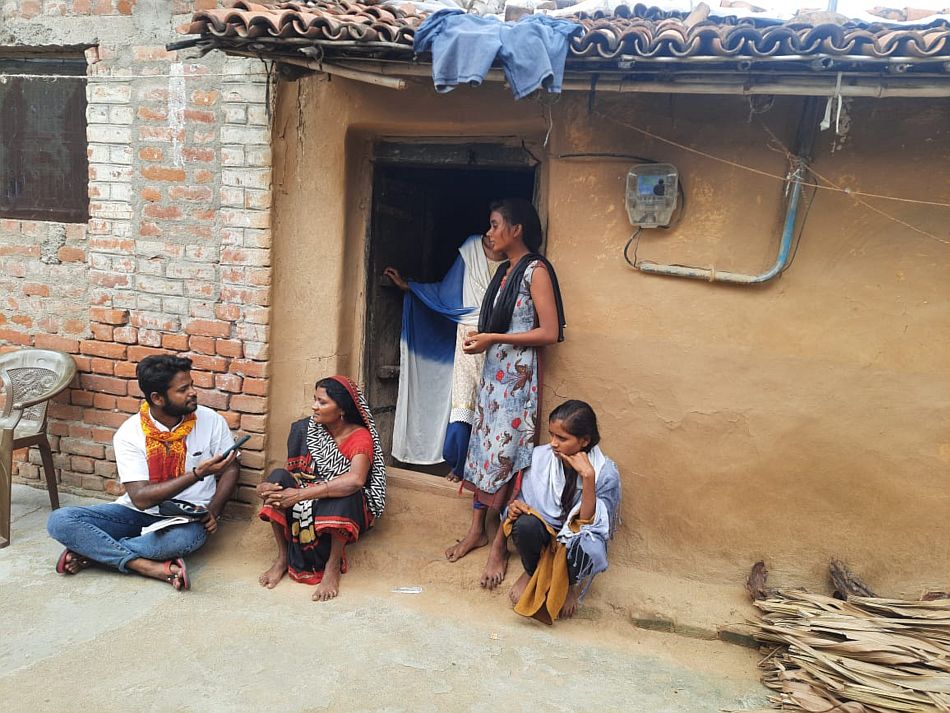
507 406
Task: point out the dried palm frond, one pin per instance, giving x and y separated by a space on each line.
863 655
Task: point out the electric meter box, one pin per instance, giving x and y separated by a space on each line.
651 194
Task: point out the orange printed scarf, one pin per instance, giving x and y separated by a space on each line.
165 450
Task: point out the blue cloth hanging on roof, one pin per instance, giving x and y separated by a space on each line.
532 51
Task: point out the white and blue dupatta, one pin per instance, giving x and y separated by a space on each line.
430 315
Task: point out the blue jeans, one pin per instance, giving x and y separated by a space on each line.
111 535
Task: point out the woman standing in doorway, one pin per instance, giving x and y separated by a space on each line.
521 311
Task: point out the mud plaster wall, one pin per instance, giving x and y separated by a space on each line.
794 422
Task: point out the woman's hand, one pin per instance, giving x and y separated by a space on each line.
516 509
284 498
477 342
266 488
580 463
393 274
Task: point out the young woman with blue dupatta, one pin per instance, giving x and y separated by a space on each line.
564 516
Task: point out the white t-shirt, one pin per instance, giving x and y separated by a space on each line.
209 437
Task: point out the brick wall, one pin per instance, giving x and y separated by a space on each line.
176 254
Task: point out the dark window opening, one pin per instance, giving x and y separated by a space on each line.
44 168
420 217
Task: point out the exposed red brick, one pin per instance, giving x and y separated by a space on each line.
125 335
147 321
128 404
245 367
109 316
74 326
108 279
229 347
81 464
249 404
80 448
209 363
190 193
233 418
149 230
109 350
204 117
254 424
71 254
148 114
228 382
252 459
104 384
202 345
161 133
202 97
134 390
102 366
104 418
101 332
138 353
216 400
125 6
203 176
209 328
24 320
102 435
79 431
230 312
163 173
178 342
150 194
80 398
125 369
166 212
202 379
8 335
255 387
192 154
83 364
103 401
51 341
67 413
57 428
207 214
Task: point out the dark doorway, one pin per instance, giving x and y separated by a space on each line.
421 214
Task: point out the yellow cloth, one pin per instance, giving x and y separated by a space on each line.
548 587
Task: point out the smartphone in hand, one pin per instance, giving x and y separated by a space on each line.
237 444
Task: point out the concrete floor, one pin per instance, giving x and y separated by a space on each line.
101 641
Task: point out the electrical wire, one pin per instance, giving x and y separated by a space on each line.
626 248
801 230
830 187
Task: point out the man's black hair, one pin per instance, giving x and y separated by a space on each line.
155 373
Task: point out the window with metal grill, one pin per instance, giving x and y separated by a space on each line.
44 169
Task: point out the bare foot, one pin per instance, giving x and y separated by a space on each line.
453 478
329 587
463 547
495 569
517 590
272 576
75 563
157 570
570 604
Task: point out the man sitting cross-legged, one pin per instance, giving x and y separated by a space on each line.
172 449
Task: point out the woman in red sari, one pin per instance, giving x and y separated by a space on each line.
332 490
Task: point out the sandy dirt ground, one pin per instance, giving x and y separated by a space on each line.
101 641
